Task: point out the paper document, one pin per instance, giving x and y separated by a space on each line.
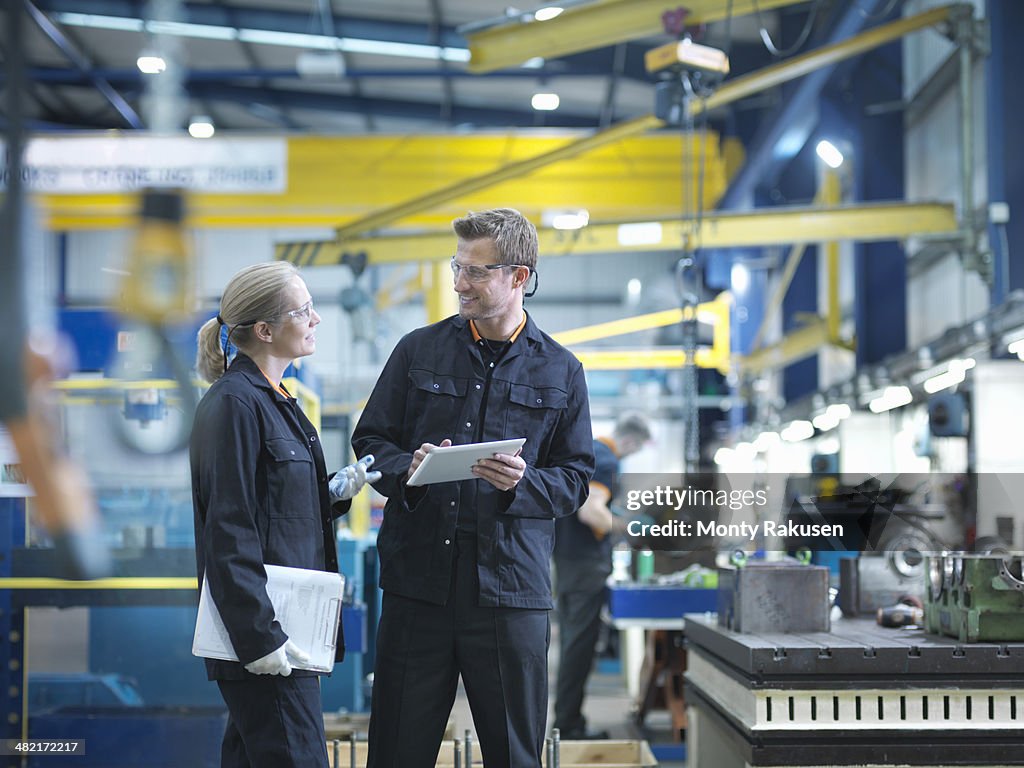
306 603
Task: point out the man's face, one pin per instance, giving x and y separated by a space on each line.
494 297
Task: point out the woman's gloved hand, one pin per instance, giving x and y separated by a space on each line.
279 662
351 479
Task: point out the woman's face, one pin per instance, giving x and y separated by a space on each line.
295 330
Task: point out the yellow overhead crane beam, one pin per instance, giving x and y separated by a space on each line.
332 180
715 313
728 92
773 226
593 25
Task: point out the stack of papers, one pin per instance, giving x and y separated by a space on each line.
306 603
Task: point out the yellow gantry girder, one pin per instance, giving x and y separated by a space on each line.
774 226
345 179
819 331
714 313
593 25
796 345
732 90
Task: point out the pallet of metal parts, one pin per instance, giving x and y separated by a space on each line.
761 596
975 598
870 582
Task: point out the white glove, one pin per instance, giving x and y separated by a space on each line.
351 479
279 662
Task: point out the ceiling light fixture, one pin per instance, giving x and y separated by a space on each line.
267 37
956 373
547 13
149 64
201 127
797 431
576 220
640 233
545 102
829 153
893 397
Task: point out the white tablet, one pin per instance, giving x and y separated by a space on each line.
455 462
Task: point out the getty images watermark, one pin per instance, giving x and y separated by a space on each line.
663 498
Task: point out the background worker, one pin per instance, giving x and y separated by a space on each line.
261 495
465 566
583 561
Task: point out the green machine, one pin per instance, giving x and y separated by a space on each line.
975 598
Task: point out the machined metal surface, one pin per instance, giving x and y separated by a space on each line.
779 597
857 651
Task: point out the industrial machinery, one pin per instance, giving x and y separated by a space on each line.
859 695
975 597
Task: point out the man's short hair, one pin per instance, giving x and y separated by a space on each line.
633 424
512 233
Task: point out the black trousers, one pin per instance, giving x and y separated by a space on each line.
422 649
579 625
273 722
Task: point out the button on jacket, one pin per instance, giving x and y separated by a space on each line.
260 496
432 388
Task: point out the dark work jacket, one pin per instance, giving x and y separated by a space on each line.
259 493
430 389
582 560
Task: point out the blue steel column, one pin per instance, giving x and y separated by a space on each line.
1004 114
880 268
12 626
797 185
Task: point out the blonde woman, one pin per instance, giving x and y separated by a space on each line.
261 494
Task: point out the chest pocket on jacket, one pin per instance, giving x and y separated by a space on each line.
290 479
436 404
532 413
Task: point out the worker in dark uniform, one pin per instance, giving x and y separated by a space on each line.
262 495
583 561
465 566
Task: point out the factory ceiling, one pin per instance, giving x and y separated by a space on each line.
337 67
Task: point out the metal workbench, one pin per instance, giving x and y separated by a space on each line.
859 695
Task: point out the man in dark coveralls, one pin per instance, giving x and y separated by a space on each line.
583 561
465 565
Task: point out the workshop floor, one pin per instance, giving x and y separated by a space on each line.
607 707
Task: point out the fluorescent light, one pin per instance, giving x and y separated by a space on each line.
797 431
577 220
187 29
633 288
545 102
201 127
831 416
839 410
829 153
828 446
641 233
745 451
547 13
724 455
893 397
266 37
825 422
739 277
956 373
99 22
150 65
766 440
